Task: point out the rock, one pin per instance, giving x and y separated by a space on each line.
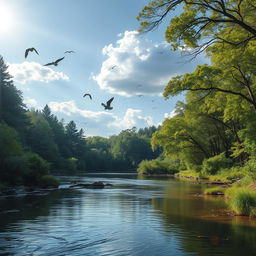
94 185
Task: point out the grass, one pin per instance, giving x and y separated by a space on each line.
242 200
227 175
214 191
190 174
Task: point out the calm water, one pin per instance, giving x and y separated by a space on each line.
136 217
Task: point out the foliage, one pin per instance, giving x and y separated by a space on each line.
38 167
48 181
228 175
250 169
214 164
243 201
214 191
202 23
190 174
157 166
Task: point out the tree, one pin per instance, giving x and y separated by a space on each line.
41 138
203 23
12 109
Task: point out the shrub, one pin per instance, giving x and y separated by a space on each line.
157 166
214 164
250 168
38 167
48 181
13 169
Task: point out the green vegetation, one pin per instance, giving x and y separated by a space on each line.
242 201
156 166
48 181
214 191
190 174
213 131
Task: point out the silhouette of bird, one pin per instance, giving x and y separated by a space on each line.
107 105
88 94
30 50
113 67
69 52
55 63
140 95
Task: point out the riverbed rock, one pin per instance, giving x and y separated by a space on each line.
94 185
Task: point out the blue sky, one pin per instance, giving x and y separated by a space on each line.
111 59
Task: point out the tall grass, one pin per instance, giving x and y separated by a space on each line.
242 201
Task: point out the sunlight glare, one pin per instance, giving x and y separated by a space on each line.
6 19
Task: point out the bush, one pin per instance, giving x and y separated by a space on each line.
157 166
250 169
48 181
38 167
13 169
242 201
214 164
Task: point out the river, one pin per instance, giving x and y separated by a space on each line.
136 217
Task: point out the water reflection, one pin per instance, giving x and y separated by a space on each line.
135 217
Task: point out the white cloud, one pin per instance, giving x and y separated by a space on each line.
135 65
133 117
30 102
33 71
172 114
101 123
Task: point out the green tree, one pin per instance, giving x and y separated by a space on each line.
202 23
12 109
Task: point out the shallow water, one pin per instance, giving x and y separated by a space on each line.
150 216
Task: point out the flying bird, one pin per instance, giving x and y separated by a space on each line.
88 94
69 52
30 50
107 105
55 63
113 67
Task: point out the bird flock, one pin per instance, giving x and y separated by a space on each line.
107 105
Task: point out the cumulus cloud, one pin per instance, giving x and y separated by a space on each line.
33 71
101 123
30 102
133 117
135 65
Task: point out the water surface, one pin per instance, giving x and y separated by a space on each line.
137 216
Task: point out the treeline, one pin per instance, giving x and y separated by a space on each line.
35 143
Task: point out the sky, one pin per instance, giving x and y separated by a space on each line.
110 59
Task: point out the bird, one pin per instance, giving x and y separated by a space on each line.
88 94
69 52
107 105
55 63
30 50
140 95
113 67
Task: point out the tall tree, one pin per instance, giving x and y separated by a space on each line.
12 109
